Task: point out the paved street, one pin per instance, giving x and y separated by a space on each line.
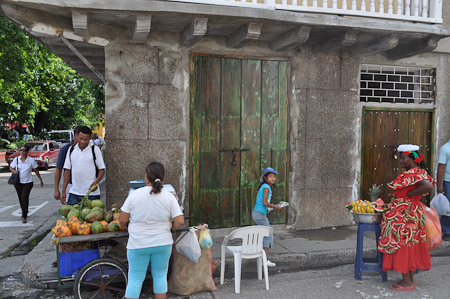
331 283
42 211
339 282
335 282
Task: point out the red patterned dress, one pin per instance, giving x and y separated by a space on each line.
403 235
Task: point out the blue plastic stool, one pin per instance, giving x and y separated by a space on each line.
375 264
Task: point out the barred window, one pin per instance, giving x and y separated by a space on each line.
397 84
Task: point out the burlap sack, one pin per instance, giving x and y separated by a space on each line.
187 278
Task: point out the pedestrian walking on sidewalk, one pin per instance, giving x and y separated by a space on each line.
24 165
443 185
60 163
263 202
85 167
149 210
403 233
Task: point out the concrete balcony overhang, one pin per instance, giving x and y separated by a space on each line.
77 31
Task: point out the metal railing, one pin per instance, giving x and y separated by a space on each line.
426 11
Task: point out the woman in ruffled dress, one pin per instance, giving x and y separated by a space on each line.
403 234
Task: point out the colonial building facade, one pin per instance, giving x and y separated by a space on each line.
323 91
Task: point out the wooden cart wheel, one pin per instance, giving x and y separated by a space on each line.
101 278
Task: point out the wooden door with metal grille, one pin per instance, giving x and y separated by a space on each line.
383 131
238 127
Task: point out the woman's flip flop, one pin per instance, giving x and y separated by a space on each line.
397 287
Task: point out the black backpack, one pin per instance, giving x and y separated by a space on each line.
93 155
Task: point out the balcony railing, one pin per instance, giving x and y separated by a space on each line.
426 11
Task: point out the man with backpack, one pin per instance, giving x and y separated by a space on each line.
60 163
84 165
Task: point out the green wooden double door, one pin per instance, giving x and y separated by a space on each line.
238 127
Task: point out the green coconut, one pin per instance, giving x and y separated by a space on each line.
97 227
84 213
94 216
97 203
113 227
108 216
73 212
64 210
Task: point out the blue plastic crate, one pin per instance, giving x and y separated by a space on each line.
70 262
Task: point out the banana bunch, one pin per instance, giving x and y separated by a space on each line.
361 206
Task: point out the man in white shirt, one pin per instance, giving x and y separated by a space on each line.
443 184
84 164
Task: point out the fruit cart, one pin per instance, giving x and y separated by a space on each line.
89 272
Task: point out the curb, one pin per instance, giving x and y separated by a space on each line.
30 270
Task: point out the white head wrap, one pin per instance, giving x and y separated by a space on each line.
408 148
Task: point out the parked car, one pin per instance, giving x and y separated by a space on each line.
63 137
44 152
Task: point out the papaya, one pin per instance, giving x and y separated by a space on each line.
116 216
61 223
76 206
97 227
62 231
113 226
84 213
64 210
84 229
115 206
94 216
108 216
105 225
73 224
73 212
97 203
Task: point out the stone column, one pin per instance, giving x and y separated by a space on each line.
146 114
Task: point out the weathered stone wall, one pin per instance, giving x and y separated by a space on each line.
147 118
324 142
146 113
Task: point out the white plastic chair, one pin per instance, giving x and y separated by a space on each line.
252 247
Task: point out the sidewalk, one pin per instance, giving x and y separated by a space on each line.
293 251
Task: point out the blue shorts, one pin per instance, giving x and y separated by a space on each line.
261 219
74 199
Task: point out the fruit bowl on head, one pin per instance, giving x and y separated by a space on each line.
367 217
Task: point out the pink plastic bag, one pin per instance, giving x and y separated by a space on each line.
433 227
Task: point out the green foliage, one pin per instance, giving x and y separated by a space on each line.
4 143
38 89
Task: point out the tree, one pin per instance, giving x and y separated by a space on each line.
38 89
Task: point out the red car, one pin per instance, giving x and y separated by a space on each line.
44 152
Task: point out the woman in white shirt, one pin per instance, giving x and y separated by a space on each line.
24 165
149 210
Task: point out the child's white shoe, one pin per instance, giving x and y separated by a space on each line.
270 264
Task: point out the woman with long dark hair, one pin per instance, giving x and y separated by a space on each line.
149 211
403 234
24 165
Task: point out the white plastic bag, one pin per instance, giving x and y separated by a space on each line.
441 204
187 244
